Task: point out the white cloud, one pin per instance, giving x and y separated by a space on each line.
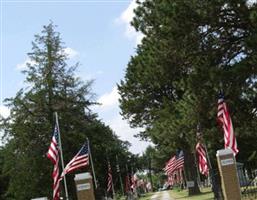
109 100
4 111
125 18
23 66
251 2
70 52
110 113
123 130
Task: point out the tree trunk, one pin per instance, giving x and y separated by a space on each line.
216 184
191 173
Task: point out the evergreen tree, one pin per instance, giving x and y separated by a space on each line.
52 87
191 50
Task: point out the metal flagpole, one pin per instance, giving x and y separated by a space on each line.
197 169
92 164
211 173
207 154
215 188
60 147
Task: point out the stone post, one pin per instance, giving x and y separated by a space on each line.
84 186
228 172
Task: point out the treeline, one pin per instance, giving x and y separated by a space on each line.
191 50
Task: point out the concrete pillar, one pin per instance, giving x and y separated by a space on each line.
84 185
228 172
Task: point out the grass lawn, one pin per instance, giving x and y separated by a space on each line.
183 195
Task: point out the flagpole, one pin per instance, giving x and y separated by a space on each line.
207 154
92 164
197 169
215 188
60 147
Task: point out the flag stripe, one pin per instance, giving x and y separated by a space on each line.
174 164
109 181
53 155
81 159
202 159
225 120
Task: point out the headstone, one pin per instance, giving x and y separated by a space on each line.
84 186
242 175
190 184
228 173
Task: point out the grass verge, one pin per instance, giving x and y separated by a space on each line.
206 194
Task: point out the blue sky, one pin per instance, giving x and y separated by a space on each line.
96 33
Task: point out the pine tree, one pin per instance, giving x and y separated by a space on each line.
190 50
52 87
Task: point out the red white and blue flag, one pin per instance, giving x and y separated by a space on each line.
174 168
227 126
170 180
53 155
169 167
109 179
134 180
174 164
202 159
127 184
80 160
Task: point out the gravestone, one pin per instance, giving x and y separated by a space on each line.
228 173
84 186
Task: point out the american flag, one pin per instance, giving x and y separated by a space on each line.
175 163
80 160
109 181
180 175
134 181
202 159
226 123
53 155
127 184
179 160
169 167
170 180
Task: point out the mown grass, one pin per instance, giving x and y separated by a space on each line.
206 194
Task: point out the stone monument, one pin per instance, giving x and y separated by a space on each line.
84 186
228 172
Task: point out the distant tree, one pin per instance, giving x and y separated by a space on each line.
52 87
3 178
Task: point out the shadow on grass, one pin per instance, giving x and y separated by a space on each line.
202 194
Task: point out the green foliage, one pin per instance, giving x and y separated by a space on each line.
52 87
190 51
3 178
